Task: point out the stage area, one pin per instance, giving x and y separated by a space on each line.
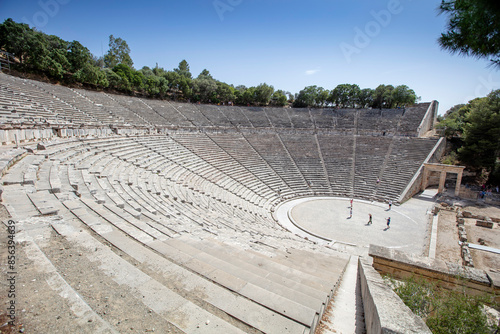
328 220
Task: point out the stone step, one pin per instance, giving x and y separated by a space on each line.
206 267
270 268
42 200
86 320
182 313
15 174
18 203
134 231
316 264
236 306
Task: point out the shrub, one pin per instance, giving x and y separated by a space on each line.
445 311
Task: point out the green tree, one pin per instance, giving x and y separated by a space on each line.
263 93
378 96
453 121
173 79
248 96
183 69
118 53
185 87
279 98
403 96
473 28
78 56
97 61
307 97
225 92
388 97
345 95
365 97
322 97
155 86
146 71
117 82
238 94
93 75
205 74
383 97
16 38
131 79
204 89
159 71
481 132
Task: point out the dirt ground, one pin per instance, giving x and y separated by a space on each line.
448 248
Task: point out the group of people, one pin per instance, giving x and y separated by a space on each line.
370 217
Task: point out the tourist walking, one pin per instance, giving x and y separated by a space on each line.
388 222
390 204
350 213
369 219
351 202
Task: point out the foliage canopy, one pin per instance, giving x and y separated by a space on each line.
476 126
473 28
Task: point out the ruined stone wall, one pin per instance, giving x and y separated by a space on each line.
447 275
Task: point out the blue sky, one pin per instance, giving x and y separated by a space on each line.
288 44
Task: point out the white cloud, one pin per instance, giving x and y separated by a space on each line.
311 72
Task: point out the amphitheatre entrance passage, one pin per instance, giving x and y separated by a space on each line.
330 220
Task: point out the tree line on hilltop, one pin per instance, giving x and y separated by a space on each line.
71 62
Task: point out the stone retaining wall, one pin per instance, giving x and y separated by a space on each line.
429 119
447 275
415 185
384 311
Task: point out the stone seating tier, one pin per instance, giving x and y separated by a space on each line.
42 102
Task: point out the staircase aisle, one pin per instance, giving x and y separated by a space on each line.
345 313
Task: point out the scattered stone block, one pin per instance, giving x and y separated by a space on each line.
41 146
484 223
467 214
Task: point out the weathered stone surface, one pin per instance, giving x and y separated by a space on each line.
484 223
384 310
404 265
494 276
41 146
